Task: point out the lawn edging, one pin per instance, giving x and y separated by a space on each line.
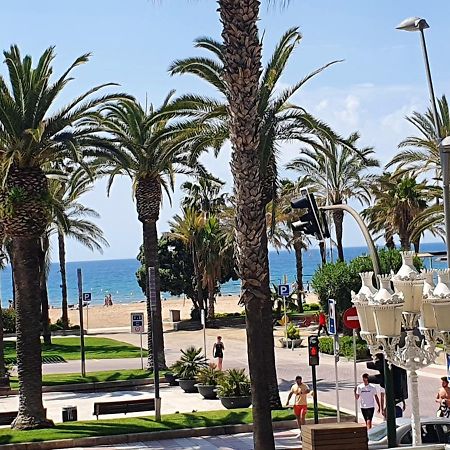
159 435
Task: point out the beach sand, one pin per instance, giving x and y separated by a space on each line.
118 315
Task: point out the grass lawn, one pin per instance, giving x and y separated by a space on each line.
71 430
69 349
76 378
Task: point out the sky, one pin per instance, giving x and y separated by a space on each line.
380 81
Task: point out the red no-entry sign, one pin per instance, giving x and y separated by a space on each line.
351 319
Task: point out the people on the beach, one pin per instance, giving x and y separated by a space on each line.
367 394
300 390
108 300
218 349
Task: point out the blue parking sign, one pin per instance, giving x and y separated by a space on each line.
332 328
448 366
284 290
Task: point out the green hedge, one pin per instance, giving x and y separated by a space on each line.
311 307
9 320
345 347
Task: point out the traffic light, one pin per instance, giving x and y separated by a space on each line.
313 222
313 350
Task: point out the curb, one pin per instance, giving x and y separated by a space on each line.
93 386
156 435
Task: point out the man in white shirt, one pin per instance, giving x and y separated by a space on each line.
366 393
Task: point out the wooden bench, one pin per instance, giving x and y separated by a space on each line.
7 417
124 406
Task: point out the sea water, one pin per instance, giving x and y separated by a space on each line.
117 277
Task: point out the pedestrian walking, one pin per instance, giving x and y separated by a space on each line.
366 393
218 349
400 409
301 391
322 323
443 398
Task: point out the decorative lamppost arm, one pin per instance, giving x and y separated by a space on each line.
365 232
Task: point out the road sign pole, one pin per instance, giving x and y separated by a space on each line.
80 310
87 318
203 318
336 359
355 374
314 382
142 353
448 366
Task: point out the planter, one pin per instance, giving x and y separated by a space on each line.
236 402
171 379
207 391
188 386
291 343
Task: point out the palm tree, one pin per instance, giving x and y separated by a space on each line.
34 134
398 201
72 219
189 228
141 136
281 121
420 154
338 174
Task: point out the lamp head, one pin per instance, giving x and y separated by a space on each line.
413 24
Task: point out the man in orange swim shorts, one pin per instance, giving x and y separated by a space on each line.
300 390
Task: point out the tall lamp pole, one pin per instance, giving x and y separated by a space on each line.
418 24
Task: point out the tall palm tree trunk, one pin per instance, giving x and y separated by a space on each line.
62 270
45 318
338 219
150 235
242 64
25 264
211 300
323 252
390 244
298 249
198 278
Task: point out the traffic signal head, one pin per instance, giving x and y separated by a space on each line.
313 350
312 222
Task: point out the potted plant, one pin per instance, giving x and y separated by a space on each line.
188 366
234 389
207 378
293 337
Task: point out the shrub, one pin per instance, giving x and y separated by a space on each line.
293 332
190 363
311 307
345 347
9 320
209 376
234 383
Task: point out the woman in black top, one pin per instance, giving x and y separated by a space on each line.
218 351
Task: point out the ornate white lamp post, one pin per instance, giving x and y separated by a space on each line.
390 322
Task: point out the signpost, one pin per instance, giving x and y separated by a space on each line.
137 326
203 319
313 352
80 310
87 297
448 366
351 321
284 291
332 328
153 306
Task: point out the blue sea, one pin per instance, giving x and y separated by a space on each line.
117 277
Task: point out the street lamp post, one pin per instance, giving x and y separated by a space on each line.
418 24
390 323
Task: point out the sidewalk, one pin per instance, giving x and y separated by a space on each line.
283 440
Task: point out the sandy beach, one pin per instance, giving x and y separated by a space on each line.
118 315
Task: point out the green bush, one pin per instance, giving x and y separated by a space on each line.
234 383
293 332
345 347
311 307
210 375
190 363
9 320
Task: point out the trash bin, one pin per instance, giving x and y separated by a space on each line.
175 315
69 414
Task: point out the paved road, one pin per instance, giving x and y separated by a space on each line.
289 364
